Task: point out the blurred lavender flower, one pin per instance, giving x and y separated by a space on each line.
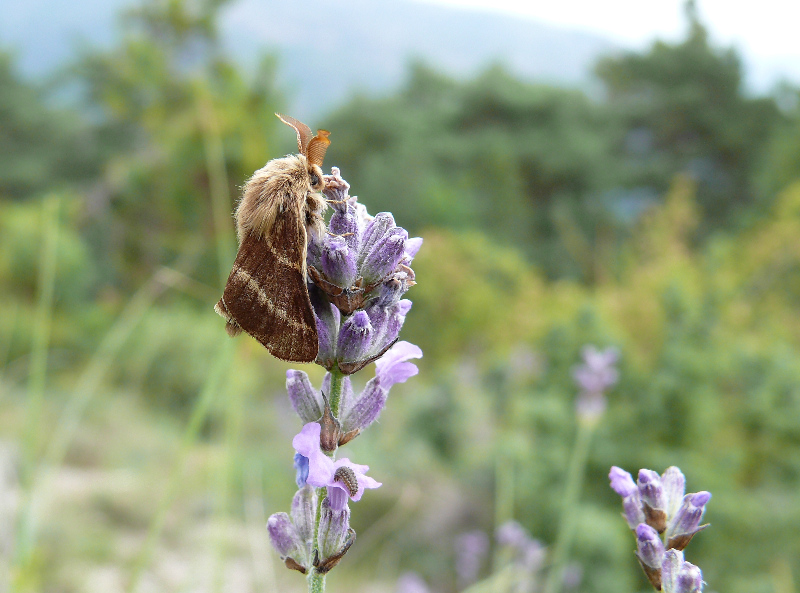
528 554
411 582
360 271
660 506
594 377
470 552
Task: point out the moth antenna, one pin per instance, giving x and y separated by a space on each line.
303 131
317 147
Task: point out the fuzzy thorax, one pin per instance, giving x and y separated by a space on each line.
282 185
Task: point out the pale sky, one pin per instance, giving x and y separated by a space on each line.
761 28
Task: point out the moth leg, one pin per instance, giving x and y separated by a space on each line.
342 235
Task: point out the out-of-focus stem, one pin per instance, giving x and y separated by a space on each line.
566 531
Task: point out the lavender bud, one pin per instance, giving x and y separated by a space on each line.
678 576
375 230
336 188
383 258
328 319
622 482
283 536
365 409
674 484
397 316
650 488
654 501
650 548
632 510
355 337
339 262
345 223
333 529
301 466
305 400
304 505
686 521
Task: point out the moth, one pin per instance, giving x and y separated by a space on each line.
281 206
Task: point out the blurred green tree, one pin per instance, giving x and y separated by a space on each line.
43 147
683 109
511 158
179 122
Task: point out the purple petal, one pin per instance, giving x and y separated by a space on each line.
412 247
392 367
320 466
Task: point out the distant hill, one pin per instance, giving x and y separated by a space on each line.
328 48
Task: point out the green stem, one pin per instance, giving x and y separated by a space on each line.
569 514
335 396
316 581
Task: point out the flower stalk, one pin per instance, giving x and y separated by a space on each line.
359 271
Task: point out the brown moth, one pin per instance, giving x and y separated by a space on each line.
266 294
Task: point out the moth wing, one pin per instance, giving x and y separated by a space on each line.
266 293
303 131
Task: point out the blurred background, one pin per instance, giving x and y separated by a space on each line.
637 187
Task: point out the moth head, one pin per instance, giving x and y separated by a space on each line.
315 178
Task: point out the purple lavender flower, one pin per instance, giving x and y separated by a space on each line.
362 269
597 373
594 377
324 472
470 552
656 500
393 367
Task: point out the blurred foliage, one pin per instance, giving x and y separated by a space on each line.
663 219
